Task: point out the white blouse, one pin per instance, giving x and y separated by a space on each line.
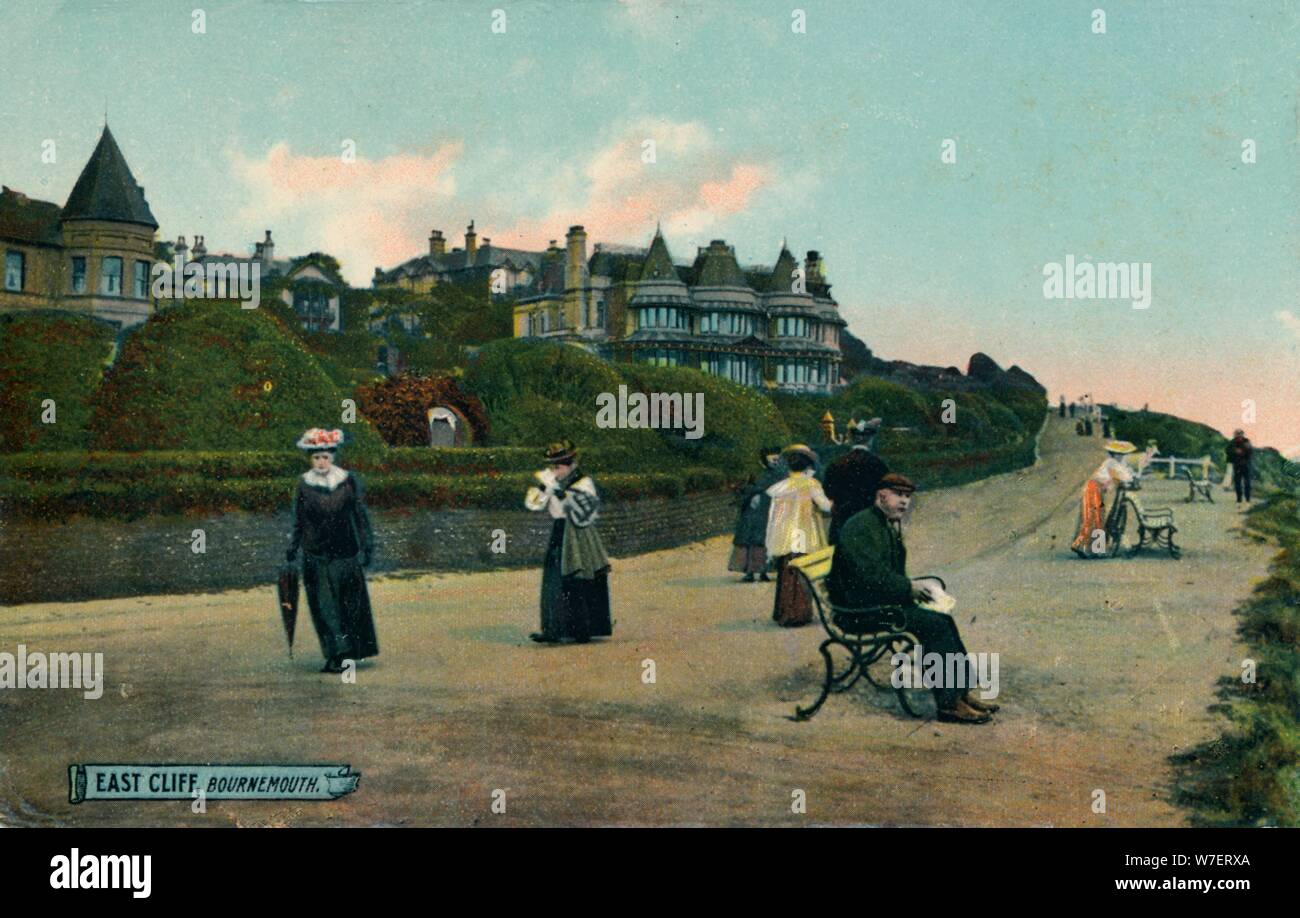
1112 470
580 504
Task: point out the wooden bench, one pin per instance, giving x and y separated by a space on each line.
865 634
1197 486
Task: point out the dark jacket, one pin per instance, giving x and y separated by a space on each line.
870 564
1240 452
331 524
850 482
751 524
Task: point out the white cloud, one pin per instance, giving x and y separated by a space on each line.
1289 320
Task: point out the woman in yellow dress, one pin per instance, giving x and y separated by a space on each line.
793 529
1110 473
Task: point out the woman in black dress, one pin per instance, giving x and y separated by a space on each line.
575 575
331 527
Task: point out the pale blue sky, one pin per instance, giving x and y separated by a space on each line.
1123 146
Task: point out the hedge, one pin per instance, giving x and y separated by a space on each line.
189 493
171 464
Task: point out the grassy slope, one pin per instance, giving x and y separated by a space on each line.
1250 776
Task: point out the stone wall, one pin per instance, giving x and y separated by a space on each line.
93 559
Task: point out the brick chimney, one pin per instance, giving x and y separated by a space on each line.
437 245
471 243
200 249
181 250
575 268
268 251
812 268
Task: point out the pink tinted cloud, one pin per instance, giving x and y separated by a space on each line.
689 187
366 212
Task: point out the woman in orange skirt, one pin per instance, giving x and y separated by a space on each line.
1091 519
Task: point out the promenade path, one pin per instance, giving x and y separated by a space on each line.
1106 668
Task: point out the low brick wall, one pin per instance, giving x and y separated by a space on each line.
94 559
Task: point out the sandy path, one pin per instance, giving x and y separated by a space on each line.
1106 668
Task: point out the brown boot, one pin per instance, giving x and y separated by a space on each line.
986 706
962 713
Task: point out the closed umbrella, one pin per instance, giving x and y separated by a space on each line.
287 594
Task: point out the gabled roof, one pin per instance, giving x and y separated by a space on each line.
106 189
23 219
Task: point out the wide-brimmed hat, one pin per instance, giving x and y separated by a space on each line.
896 482
319 440
1121 447
802 449
561 452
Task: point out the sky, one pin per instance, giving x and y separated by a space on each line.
1117 146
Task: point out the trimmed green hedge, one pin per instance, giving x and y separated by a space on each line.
189 493
170 464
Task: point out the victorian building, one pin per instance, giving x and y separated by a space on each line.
93 255
773 327
504 271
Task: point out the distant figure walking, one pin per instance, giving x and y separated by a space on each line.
1071 409
1108 475
793 529
749 546
1105 428
1062 406
1241 454
575 575
1087 426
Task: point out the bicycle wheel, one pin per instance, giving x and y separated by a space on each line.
1115 532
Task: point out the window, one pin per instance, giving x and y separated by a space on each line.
661 357
78 274
110 276
801 372
743 370
141 287
15 268
600 313
661 317
313 308
791 327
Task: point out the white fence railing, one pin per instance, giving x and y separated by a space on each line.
1170 465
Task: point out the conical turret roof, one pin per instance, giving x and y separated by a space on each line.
658 263
783 274
107 190
717 267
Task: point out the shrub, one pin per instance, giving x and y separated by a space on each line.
208 375
49 355
398 408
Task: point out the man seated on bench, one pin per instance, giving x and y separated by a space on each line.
870 569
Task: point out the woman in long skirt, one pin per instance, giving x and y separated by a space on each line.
575 576
332 528
749 545
1109 474
794 529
